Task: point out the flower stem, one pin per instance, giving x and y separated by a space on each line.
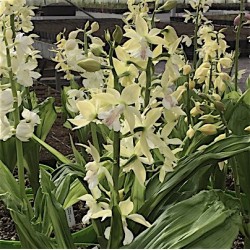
196 38
16 115
148 82
237 46
94 136
188 103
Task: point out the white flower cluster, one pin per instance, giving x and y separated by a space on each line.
18 61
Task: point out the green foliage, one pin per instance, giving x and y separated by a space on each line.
210 219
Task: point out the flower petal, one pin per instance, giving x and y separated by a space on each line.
128 236
126 207
139 219
130 94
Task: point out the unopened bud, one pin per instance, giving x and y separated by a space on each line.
117 34
219 106
73 34
220 137
168 5
191 84
95 26
216 97
90 65
247 128
107 35
247 16
237 21
190 133
8 34
208 129
186 69
70 44
97 50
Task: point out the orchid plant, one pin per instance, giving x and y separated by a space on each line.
140 108
146 137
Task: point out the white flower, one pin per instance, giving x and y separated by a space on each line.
94 206
95 168
111 118
6 101
24 131
126 208
30 117
74 95
5 129
25 128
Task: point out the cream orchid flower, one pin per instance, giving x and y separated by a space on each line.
74 95
119 104
134 159
6 130
126 208
25 128
147 138
94 206
95 168
138 44
88 113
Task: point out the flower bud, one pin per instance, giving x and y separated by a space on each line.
107 35
247 128
168 5
70 44
247 16
117 34
237 21
220 137
191 84
97 50
90 65
208 118
95 26
216 97
208 129
219 106
186 69
190 133
8 34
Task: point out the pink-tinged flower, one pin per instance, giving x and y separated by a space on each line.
247 16
237 21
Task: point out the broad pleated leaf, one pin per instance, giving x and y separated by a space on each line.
210 219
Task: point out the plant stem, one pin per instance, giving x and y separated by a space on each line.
196 37
116 137
188 103
237 46
16 115
94 136
148 82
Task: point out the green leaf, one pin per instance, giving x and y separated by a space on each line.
78 157
240 119
76 190
48 116
86 235
31 157
138 195
56 213
10 244
187 167
198 222
6 148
